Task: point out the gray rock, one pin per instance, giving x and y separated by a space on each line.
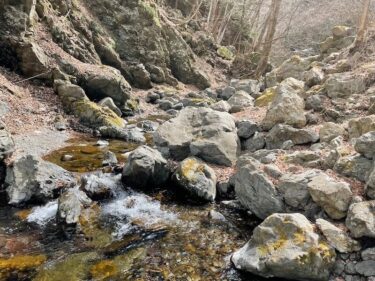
314 102
256 192
227 93
131 134
294 189
197 179
99 186
246 128
334 197
70 205
109 83
6 143
31 178
202 132
361 219
102 143
4 109
178 106
354 166
350 268
152 97
145 168
287 108
305 158
366 268
282 133
337 238
239 101
365 145
368 254
165 105
330 131
109 159
273 171
216 216
314 76
251 87
362 125
257 142
287 145
343 85
108 102
222 106
286 246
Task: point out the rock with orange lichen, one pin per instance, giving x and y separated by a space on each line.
21 263
286 246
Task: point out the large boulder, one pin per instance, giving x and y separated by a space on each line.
293 67
202 132
286 246
108 83
355 166
197 179
31 178
145 168
91 114
282 133
331 130
361 219
362 125
286 108
334 197
343 85
256 191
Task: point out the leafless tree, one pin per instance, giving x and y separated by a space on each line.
271 29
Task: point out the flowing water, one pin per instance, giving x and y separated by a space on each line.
132 236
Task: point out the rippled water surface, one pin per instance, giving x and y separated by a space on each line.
133 236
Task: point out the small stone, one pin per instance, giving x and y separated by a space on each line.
67 157
102 143
246 128
109 159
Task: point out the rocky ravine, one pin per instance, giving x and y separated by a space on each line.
301 139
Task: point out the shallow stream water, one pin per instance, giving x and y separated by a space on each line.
132 236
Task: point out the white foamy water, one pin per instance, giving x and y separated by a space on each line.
137 207
43 214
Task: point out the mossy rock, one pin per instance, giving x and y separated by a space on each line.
21 263
267 98
95 115
74 268
115 268
225 53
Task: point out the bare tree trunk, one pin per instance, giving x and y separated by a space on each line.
271 29
361 35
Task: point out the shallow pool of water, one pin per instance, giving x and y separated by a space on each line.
133 236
